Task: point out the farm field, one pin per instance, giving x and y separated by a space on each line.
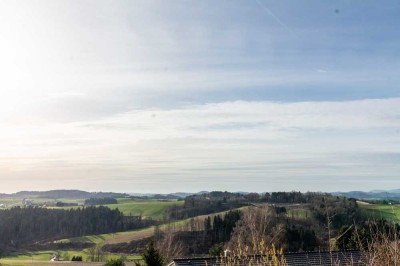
376 211
113 237
299 213
148 208
154 209
43 257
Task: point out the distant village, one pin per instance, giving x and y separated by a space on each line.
30 203
26 202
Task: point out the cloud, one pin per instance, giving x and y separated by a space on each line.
257 141
260 116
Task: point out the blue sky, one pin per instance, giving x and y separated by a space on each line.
142 96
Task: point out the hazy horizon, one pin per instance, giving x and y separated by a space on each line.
205 191
166 96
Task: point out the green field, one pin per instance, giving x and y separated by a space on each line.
29 258
102 238
299 213
120 237
35 256
154 209
377 211
149 208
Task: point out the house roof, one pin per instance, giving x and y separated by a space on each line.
316 258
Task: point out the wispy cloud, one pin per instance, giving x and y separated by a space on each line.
259 141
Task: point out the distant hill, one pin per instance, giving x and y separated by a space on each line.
375 194
175 195
63 193
80 194
181 194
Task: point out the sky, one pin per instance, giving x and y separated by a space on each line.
165 96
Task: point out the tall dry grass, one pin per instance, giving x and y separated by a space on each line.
263 255
384 246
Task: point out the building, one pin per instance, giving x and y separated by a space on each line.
315 258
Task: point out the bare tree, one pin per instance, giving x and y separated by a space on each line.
258 225
383 248
96 254
168 245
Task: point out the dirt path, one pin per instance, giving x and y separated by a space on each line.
363 202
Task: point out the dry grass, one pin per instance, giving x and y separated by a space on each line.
266 255
384 249
130 236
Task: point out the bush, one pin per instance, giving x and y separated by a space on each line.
76 258
216 250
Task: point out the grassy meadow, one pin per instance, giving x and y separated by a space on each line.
299 213
153 209
377 211
43 257
147 208
117 237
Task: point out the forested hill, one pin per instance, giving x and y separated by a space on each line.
63 193
377 194
23 227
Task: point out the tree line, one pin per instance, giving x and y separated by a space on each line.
24 227
216 201
100 201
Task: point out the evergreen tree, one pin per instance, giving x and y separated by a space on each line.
216 250
152 256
